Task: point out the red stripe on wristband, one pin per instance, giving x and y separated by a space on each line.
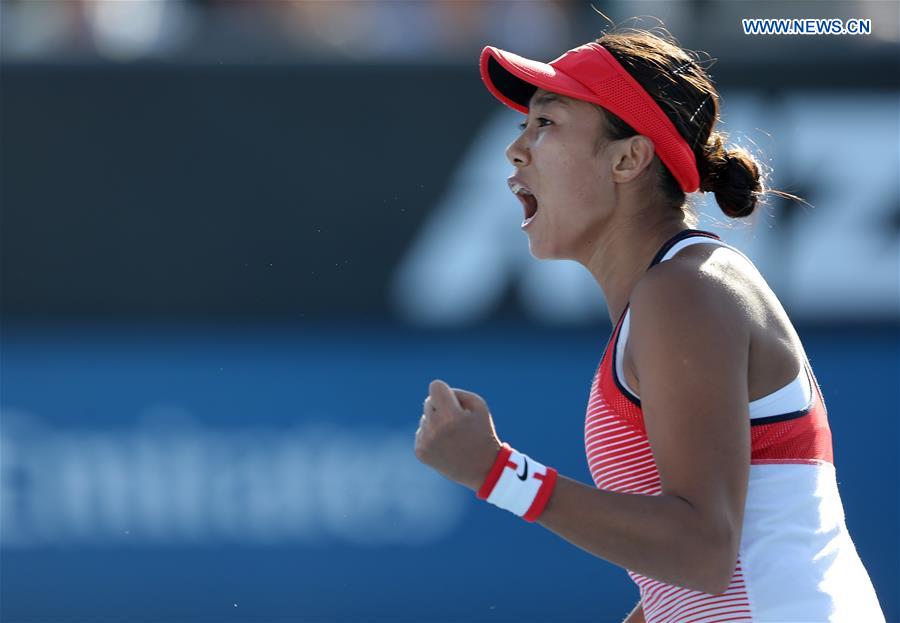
543 495
494 475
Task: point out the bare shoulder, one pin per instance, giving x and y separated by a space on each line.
693 289
687 316
710 301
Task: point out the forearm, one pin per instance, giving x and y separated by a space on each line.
662 537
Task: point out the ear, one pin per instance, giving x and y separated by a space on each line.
630 157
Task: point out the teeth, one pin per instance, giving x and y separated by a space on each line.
518 189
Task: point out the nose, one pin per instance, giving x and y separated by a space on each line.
517 152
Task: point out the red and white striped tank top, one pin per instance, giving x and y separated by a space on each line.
796 560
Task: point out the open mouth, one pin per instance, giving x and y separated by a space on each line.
531 206
528 200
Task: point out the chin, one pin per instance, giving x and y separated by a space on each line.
555 246
541 252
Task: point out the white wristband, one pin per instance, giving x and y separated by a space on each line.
519 484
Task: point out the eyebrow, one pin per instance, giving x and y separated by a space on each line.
549 98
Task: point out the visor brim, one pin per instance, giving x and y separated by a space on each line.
513 79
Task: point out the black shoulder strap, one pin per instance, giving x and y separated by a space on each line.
687 233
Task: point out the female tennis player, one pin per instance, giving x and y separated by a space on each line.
706 432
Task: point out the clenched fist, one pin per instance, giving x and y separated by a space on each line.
456 435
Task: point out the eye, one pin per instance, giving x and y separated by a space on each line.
541 121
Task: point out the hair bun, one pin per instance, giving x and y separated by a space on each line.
733 175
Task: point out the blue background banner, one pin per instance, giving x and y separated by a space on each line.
268 473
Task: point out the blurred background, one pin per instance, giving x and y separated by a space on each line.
240 237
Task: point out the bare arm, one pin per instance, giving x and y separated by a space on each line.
690 350
690 341
636 616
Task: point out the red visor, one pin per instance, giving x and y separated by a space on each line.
592 74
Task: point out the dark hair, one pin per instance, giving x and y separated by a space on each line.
676 79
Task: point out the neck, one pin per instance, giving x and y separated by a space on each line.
622 254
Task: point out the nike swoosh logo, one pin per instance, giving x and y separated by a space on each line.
524 476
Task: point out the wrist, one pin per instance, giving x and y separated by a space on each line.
485 462
518 483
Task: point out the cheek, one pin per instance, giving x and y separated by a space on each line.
575 180
588 186
589 205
